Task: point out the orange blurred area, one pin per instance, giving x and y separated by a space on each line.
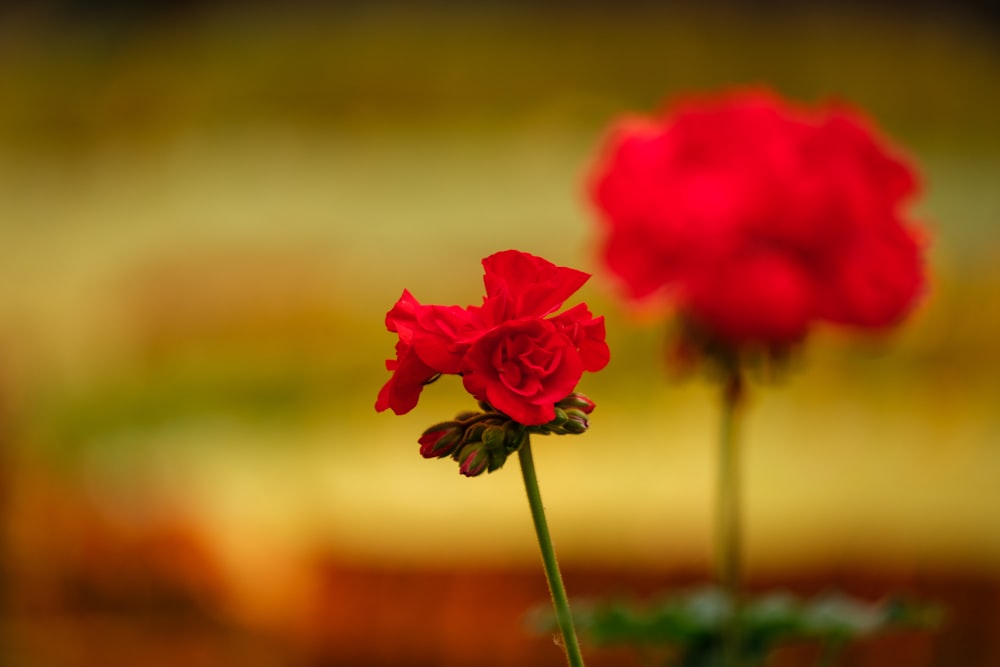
206 210
87 590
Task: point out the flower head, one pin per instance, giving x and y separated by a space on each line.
759 219
512 351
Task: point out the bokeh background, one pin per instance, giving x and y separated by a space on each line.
206 209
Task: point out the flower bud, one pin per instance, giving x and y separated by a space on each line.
440 440
576 422
497 457
515 435
494 436
473 459
577 401
475 432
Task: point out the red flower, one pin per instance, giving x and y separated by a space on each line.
512 352
760 219
427 347
522 285
409 375
523 368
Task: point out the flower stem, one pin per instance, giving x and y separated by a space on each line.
559 600
728 547
829 653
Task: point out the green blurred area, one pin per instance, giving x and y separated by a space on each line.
203 220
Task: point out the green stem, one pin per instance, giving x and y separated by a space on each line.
728 548
829 653
559 600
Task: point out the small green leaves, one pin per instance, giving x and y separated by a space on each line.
691 625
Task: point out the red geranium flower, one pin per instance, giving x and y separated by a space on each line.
759 219
511 351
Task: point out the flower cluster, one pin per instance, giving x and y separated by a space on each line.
513 352
759 219
481 441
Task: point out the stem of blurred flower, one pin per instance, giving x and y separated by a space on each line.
559 600
829 652
728 553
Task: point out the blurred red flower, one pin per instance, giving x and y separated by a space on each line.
511 352
759 218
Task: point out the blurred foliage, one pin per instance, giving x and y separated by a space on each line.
689 627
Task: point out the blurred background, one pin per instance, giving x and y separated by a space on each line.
206 209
